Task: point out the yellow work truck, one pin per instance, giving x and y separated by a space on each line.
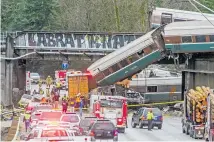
79 86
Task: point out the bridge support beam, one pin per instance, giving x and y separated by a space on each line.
7 96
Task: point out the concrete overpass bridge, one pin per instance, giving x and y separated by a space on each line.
18 47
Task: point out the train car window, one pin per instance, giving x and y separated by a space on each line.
133 58
152 88
140 53
166 18
147 50
211 38
106 72
178 20
124 63
186 39
200 38
99 76
115 67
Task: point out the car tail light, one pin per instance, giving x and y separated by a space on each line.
115 133
92 134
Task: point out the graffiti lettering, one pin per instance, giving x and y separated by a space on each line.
75 40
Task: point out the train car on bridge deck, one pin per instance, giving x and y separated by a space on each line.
189 37
130 59
162 16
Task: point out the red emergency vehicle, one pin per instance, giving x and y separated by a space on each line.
113 108
60 75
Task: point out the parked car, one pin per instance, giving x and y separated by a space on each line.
25 100
140 118
85 124
103 129
35 77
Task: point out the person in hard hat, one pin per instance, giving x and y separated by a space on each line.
27 120
49 81
58 86
150 117
78 100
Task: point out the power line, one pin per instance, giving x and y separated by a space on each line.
200 12
203 6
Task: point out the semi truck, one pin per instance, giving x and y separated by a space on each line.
209 129
195 101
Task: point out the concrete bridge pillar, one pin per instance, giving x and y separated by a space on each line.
21 74
7 96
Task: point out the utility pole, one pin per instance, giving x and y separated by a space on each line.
7 96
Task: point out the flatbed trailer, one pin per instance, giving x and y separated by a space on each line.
190 79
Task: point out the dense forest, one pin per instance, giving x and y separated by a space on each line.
85 15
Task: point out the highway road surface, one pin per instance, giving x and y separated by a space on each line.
171 130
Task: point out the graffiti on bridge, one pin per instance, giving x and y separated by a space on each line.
75 40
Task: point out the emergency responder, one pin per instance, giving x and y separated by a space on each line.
81 107
48 92
78 100
40 83
150 117
49 81
72 103
41 92
27 120
65 98
64 106
58 86
56 100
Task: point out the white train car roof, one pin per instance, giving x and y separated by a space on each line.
121 53
182 14
156 81
189 28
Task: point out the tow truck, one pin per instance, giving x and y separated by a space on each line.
113 108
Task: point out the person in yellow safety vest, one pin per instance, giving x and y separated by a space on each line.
41 92
27 120
65 98
150 117
78 100
58 86
40 83
49 81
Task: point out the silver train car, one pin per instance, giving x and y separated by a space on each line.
161 16
130 59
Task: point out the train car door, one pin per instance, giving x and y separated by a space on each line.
166 18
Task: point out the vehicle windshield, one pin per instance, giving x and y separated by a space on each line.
34 74
103 126
86 122
54 133
155 111
51 116
111 103
70 118
25 96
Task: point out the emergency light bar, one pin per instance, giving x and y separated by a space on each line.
91 117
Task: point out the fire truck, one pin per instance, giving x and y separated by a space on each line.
113 108
60 75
